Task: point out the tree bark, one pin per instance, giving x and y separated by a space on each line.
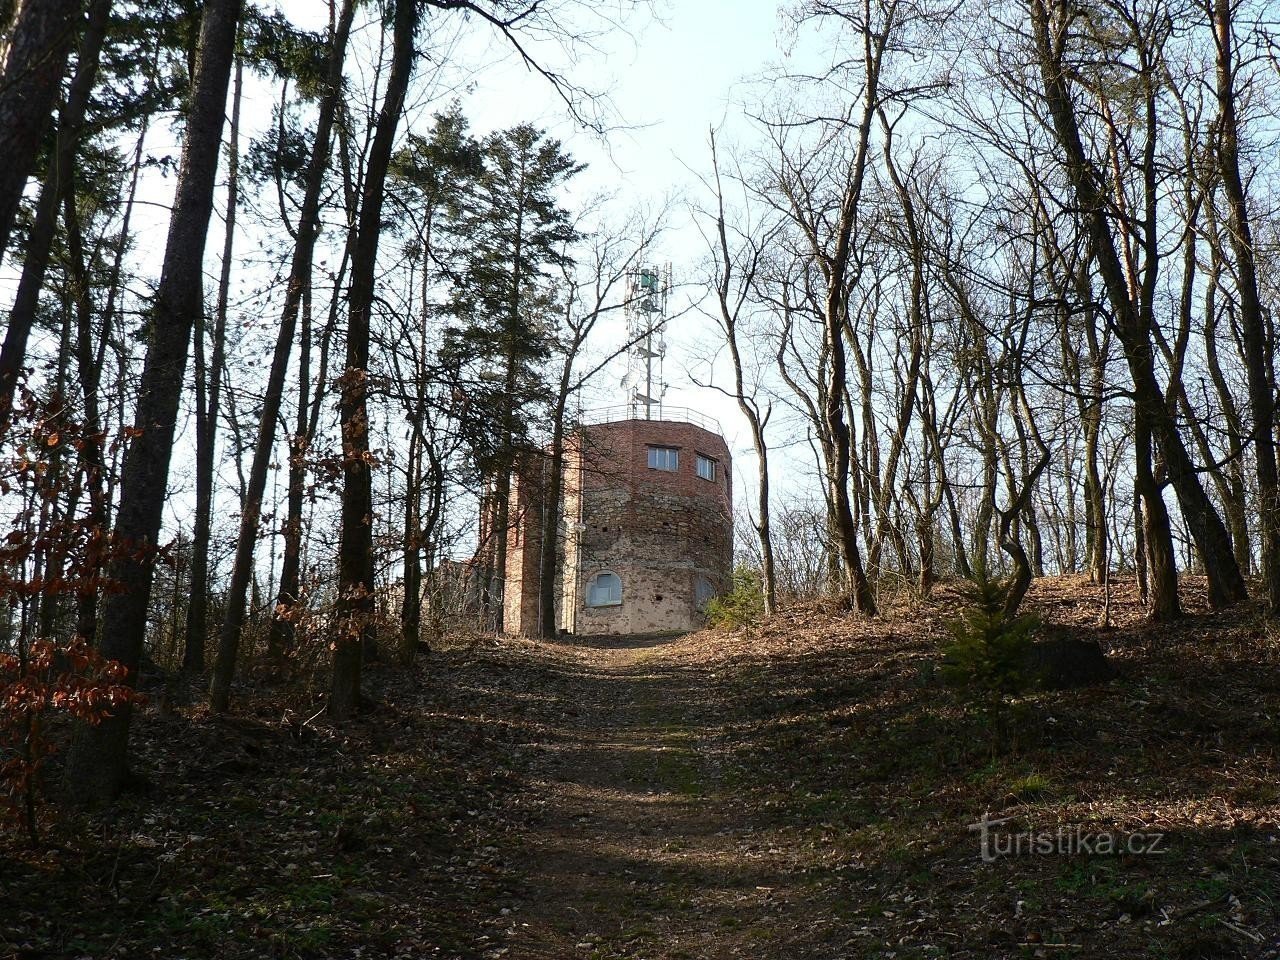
30 75
97 764
356 628
1160 580
552 491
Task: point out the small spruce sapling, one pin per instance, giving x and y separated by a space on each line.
987 653
742 606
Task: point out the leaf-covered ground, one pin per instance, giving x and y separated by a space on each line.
804 790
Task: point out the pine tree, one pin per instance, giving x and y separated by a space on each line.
988 656
504 300
988 647
429 177
96 766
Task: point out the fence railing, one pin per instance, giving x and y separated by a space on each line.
660 412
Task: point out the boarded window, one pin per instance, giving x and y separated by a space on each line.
703 593
604 590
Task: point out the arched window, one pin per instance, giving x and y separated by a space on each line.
604 590
703 592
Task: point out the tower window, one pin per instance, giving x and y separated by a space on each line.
664 458
604 590
706 468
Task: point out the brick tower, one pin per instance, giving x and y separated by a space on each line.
647 537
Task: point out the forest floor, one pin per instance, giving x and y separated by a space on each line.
804 790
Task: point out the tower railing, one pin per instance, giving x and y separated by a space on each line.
660 413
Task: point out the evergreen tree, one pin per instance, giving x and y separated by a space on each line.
96 767
989 646
430 176
504 301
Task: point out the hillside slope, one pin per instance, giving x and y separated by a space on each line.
806 790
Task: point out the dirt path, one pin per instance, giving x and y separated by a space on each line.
630 846
802 792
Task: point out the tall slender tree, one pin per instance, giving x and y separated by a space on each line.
432 174
735 275
264 446
505 304
208 394
356 627
97 765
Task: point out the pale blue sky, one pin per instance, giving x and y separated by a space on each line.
670 76
674 77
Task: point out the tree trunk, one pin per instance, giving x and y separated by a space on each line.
30 77
280 639
97 764
730 308
886 481
1235 505
1159 565
355 610
551 494
60 186
962 565
768 566
858 594
39 243
89 366
207 411
1095 513
264 446
411 601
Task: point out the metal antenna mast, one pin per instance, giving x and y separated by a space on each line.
648 289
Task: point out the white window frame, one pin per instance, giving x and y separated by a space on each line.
614 596
710 463
664 458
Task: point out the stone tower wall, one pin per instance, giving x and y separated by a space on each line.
659 531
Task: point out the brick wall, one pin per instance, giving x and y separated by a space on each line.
660 531
520 593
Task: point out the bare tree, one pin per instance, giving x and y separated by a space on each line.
735 274
1258 352
1154 423
264 446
